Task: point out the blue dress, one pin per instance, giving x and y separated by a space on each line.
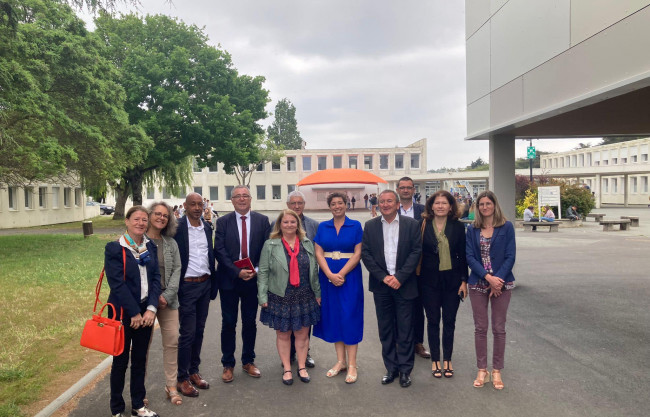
341 307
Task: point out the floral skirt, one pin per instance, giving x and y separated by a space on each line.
297 309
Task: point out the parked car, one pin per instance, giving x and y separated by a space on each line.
106 209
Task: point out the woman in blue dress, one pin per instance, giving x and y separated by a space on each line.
338 251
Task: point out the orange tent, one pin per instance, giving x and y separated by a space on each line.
341 175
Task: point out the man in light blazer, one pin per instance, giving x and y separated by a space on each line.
239 235
197 286
390 252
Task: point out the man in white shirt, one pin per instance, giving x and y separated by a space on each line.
390 252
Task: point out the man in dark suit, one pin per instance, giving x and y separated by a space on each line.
406 190
198 285
390 252
240 234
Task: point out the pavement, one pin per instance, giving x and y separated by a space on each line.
577 345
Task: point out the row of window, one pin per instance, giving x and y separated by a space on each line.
337 162
579 161
29 196
213 192
611 185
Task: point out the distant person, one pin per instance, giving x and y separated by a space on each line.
491 251
373 205
572 213
353 201
529 214
365 200
549 216
472 211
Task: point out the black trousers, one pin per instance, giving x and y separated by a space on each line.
440 303
418 320
136 345
194 300
246 293
394 320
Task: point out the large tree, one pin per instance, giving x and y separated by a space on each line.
184 93
61 106
284 130
243 162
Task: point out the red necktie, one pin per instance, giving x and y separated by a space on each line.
244 238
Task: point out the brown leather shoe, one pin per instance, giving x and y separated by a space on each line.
187 389
252 370
199 382
421 351
227 374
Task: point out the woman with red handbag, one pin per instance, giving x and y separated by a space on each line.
131 268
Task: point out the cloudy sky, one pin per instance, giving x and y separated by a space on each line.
361 73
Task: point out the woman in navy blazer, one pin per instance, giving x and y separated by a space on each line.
131 267
491 253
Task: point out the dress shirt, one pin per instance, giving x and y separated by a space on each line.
391 239
197 264
407 212
144 283
248 231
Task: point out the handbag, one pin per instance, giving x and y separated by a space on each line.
418 269
102 333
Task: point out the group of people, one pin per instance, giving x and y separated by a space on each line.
307 275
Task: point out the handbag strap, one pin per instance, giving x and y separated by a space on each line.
98 287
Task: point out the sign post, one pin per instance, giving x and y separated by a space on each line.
549 196
530 152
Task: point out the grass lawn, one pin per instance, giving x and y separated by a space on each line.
99 222
48 284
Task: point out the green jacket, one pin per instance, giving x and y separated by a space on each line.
273 271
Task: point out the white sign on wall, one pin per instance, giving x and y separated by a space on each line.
549 196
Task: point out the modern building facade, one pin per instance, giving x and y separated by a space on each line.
554 69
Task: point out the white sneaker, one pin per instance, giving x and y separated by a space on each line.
143 412
117 415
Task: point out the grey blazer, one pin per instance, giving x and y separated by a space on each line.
172 258
309 225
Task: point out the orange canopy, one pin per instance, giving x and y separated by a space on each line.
341 175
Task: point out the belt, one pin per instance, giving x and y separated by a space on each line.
336 255
202 278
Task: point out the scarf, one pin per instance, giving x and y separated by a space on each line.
139 251
443 247
294 272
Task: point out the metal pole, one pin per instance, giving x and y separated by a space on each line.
530 142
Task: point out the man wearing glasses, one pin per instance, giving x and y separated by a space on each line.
408 208
240 235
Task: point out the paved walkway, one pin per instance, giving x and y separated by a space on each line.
577 346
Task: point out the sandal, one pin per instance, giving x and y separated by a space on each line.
334 372
437 373
351 379
448 372
173 396
497 382
480 382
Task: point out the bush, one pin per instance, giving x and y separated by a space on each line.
570 195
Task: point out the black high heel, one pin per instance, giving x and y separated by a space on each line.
449 373
287 381
304 379
437 373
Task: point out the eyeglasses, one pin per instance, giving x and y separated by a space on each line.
240 197
297 203
159 214
405 188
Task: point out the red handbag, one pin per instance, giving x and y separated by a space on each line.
101 333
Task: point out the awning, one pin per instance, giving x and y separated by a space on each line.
341 176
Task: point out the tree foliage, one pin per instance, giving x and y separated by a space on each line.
570 195
284 130
618 139
185 94
244 162
61 106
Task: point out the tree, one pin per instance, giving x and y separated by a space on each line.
284 130
186 96
243 162
61 107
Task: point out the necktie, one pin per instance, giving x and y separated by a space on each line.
244 238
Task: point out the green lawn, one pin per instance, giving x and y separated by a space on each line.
48 284
99 222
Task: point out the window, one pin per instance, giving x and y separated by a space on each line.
151 193
605 162
634 158
290 188
214 167
634 184
55 196
581 160
644 184
229 189
596 163
614 186
77 197
42 197
399 161
13 198
66 197
589 159
623 160
415 160
275 166
322 163
383 161
198 190
195 166
614 161
605 185
260 168
291 163
337 161
644 157
214 193
276 192
574 160
352 162
261 192
367 162
165 193
306 163
544 163
29 197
